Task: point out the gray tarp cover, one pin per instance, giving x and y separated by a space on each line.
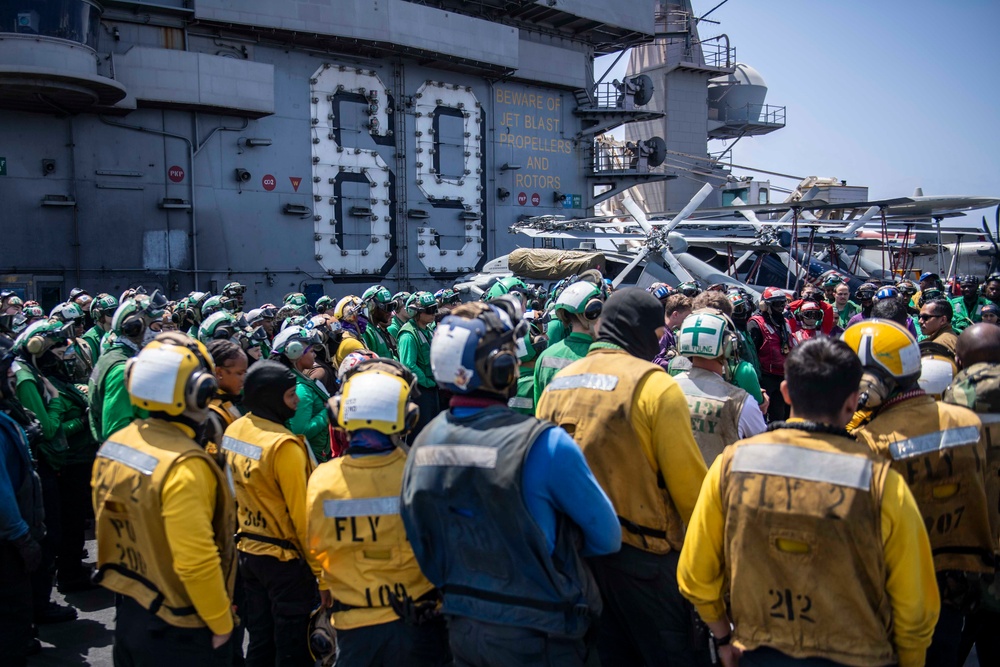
550 264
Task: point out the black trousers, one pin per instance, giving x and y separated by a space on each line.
396 643
15 607
778 410
144 640
42 578
981 629
646 621
73 482
279 596
429 402
947 640
479 644
768 657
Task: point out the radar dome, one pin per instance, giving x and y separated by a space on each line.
737 96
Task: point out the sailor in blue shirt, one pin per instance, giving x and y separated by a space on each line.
501 508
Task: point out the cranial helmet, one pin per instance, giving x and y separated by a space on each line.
220 325
886 346
810 315
173 374
376 395
293 342
581 298
479 353
707 333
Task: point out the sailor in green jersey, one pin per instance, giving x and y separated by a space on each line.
43 376
135 322
399 318
968 307
293 348
70 313
102 309
843 308
380 307
579 308
529 347
415 354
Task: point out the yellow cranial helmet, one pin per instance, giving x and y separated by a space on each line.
376 395
173 374
885 346
348 309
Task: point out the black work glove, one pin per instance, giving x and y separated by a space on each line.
414 612
30 551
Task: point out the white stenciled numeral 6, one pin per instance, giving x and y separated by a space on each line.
352 184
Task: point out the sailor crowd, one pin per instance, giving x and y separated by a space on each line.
568 474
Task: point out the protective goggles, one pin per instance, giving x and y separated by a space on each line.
237 289
812 315
429 310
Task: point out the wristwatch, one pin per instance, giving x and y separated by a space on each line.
722 641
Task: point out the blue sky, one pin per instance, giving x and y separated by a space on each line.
891 94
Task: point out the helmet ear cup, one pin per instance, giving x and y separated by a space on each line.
201 387
501 368
412 416
35 345
593 308
133 326
295 349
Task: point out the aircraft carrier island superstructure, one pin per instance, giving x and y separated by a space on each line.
313 145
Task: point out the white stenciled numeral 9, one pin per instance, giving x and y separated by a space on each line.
448 128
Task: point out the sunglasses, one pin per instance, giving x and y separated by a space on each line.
924 316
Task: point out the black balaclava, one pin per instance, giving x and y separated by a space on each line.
264 391
630 319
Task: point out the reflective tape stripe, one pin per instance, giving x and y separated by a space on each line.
128 456
802 463
556 362
361 507
989 418
933 442
231 444
596 381
468 456
521 402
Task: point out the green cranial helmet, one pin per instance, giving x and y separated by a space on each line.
134 315
377 294
581 298
234 290
296 299
41 336
214 304
505 286
104 304
67 312
324 303
704 334
419 301
401 298
533 342
220 325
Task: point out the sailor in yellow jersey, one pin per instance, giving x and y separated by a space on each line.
940 451
164 516
818 545
270 466
230 372
355 534
632 421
